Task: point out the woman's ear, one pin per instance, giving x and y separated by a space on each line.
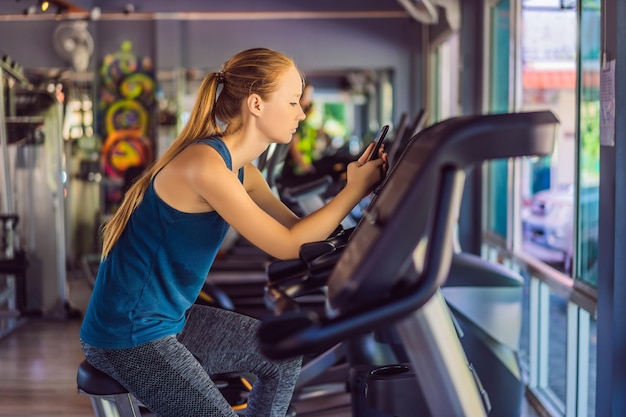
255 104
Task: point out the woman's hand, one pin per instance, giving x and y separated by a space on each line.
366 175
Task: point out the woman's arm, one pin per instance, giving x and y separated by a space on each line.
260 192
221 188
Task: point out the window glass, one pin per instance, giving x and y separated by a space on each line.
557 351
589 151
444 89
499 103
433 105
591 369
547 184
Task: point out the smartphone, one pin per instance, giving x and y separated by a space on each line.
379 139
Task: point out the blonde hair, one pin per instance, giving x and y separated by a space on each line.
253 71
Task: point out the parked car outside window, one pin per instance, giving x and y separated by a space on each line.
548 226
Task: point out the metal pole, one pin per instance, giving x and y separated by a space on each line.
59 218
443 372
7 207
7 198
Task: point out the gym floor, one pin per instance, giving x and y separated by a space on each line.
38 363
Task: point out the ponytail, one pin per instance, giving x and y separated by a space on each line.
201 124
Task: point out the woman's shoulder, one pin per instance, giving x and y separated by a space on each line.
218 144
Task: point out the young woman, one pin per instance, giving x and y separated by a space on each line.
141 326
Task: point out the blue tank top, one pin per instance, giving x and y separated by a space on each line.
154 272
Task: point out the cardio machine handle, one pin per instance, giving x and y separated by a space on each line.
310 253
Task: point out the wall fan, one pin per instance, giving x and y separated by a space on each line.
74 44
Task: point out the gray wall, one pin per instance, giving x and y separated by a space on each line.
315 43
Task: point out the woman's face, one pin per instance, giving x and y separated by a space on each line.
281 112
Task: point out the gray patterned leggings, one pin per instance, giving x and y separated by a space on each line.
171 375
